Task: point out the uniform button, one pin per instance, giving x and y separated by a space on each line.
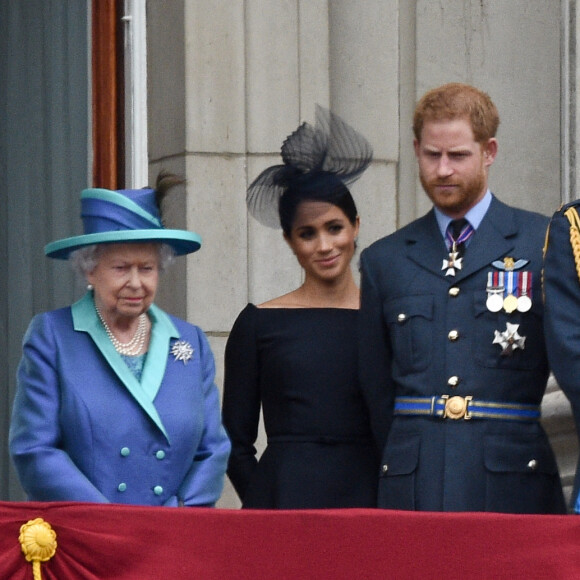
385 468
453 335
453 381
157 490
453 291
532 465
160 454
122 487
402 317
125 451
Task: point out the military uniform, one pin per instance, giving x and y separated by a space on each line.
562 307
453 372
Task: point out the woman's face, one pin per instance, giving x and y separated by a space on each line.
125 279
323 240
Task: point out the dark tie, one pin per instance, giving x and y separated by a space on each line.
458 232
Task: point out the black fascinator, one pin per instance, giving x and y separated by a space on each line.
314 158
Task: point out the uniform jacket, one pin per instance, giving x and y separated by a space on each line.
84 429
562 306
409 311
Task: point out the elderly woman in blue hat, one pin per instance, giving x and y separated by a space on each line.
116 400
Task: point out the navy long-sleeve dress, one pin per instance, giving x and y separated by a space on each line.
300 367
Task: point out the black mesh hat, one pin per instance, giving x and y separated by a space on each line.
315 159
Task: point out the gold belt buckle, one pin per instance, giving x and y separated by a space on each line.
456 407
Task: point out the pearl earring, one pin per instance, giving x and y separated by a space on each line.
89 286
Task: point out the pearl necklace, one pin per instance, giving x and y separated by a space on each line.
135 345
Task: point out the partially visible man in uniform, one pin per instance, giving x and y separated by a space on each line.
452 355
562 309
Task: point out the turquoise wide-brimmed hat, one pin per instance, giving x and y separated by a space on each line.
126 215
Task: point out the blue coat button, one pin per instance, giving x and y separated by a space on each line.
125 451
157 490
122 487
160 454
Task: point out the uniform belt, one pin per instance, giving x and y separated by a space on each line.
448 407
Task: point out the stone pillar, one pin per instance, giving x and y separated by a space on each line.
364 68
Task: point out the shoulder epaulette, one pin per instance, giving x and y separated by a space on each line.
566 206
570 211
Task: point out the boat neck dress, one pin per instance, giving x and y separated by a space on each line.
300 366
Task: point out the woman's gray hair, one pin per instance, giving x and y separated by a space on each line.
84 260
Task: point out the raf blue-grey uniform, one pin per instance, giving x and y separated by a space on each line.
429 342
562 310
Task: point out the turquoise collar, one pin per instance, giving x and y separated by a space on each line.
85 319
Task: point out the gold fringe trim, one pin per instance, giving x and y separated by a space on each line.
574 220
38 542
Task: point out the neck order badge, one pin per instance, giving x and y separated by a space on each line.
458 232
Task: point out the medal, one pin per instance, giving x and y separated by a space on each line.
510 302
509 339
494 302
495 287
456 241
453 263
524 301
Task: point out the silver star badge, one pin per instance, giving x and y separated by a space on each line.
509 339
182 350
452 264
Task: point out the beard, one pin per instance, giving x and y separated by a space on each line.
459 200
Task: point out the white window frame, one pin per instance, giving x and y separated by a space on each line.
135 58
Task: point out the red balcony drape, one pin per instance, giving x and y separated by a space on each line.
126 543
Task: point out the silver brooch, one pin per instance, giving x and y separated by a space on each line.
182 350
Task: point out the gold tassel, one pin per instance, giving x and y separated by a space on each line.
38 542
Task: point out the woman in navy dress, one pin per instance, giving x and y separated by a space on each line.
295 357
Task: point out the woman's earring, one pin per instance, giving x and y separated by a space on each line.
89 286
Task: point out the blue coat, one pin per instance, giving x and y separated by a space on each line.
409 311
84 429
562 320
